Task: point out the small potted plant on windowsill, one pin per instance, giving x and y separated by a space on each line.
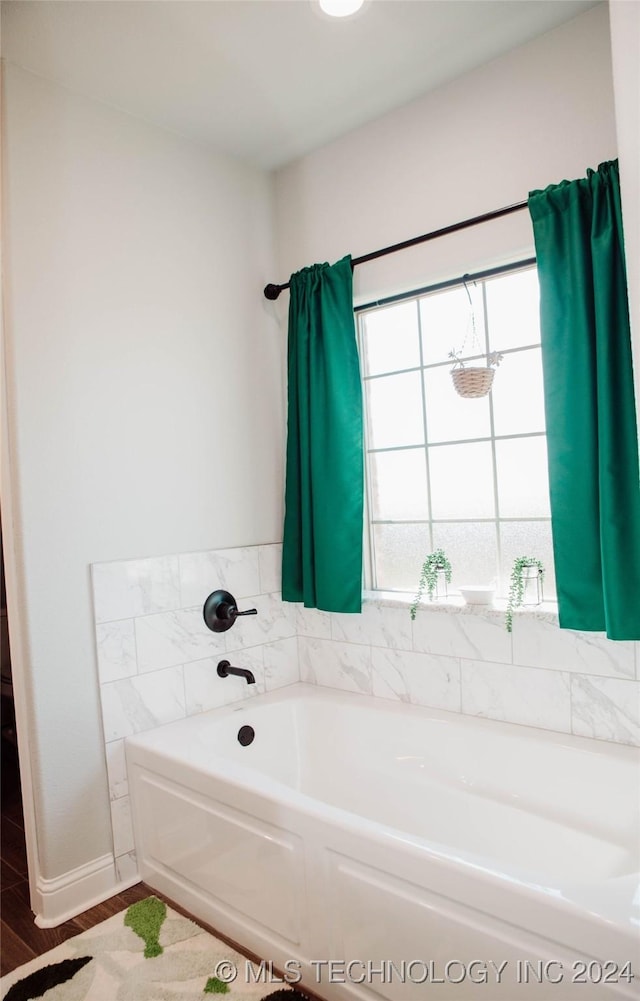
434 577
473 380
527 573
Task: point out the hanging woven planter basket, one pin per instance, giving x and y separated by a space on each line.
473 381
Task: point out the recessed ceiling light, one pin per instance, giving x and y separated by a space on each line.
340 8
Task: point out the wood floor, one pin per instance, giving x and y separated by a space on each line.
21 940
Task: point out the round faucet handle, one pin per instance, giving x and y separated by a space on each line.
220 611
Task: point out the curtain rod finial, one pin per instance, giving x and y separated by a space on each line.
271 291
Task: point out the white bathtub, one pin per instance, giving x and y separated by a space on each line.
364 831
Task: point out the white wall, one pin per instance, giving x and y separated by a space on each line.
539 114
145 397
625 46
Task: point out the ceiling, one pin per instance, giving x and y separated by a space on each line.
265 80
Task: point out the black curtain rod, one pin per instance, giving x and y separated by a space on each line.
273 291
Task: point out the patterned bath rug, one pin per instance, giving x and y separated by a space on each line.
147 952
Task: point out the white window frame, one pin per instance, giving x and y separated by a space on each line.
481 277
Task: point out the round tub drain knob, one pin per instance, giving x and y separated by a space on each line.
246 735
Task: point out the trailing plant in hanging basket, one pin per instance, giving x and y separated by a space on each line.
476 380
472 380
435 563
517 584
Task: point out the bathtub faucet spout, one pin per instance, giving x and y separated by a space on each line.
225 669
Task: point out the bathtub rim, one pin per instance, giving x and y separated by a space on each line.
611 749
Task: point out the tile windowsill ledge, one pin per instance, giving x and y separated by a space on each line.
456 605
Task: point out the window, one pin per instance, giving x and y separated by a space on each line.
467 475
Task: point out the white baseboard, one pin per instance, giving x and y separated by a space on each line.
76 891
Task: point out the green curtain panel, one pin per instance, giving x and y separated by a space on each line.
589 403
322 550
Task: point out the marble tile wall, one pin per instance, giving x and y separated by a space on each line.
464 660
157 660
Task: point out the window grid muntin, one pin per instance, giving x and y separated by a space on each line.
452 521
442 364
492 439
370 534
494 458
425 426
